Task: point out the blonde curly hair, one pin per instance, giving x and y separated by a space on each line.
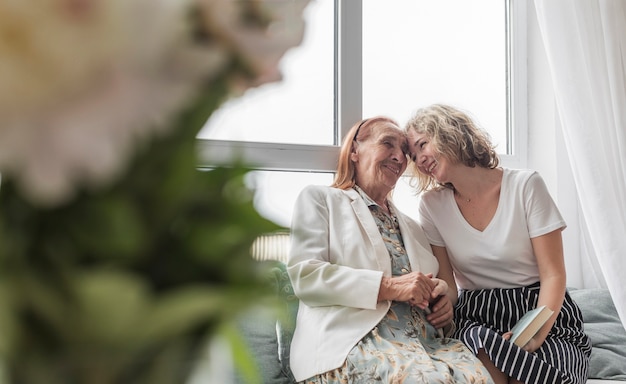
455 136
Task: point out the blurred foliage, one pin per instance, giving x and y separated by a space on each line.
125 284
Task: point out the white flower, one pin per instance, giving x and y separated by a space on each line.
82 81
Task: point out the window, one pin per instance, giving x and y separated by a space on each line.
450 51
367 58
277 191
297 110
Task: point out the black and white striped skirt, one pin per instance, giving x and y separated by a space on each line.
483 315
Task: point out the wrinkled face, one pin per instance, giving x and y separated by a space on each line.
426 158
381 159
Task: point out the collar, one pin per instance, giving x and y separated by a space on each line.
368 200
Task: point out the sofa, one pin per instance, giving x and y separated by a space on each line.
268 333
608 338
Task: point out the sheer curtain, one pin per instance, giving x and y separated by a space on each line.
586 48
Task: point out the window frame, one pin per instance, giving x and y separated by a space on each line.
347 109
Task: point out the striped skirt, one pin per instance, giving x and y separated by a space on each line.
483 315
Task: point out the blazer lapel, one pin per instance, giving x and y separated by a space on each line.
368 224
414 250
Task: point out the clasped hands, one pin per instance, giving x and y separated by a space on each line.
423 291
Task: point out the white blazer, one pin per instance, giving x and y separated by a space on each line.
336 263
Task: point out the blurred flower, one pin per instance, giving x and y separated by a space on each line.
83 82
118 256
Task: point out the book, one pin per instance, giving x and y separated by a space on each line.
529 325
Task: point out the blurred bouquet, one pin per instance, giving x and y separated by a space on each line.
117 255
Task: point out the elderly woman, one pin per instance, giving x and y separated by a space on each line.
371 308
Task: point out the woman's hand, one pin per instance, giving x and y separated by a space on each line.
414 288
532 345
440 306
441 287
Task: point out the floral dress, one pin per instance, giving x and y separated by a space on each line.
404 347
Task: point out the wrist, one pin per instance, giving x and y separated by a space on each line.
385 289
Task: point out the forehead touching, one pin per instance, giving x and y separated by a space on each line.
388 130
416 137
416 143
389 134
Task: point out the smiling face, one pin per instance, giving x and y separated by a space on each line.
380 159
427 160
443 140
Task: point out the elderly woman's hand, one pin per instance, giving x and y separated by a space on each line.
414 288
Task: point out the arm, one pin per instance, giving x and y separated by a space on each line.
323 269
445 295
549 252
445 272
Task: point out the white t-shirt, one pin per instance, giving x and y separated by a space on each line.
501 256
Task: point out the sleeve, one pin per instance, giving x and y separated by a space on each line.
316 280
542 213
425 220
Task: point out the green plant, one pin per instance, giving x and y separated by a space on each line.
119 259
124 284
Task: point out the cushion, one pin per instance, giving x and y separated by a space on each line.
258 328
287 322
607 334
268 331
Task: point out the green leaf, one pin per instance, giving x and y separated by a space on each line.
179 312
112 306
243 357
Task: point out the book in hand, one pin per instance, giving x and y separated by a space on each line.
529 325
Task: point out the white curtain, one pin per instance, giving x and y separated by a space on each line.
585 42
